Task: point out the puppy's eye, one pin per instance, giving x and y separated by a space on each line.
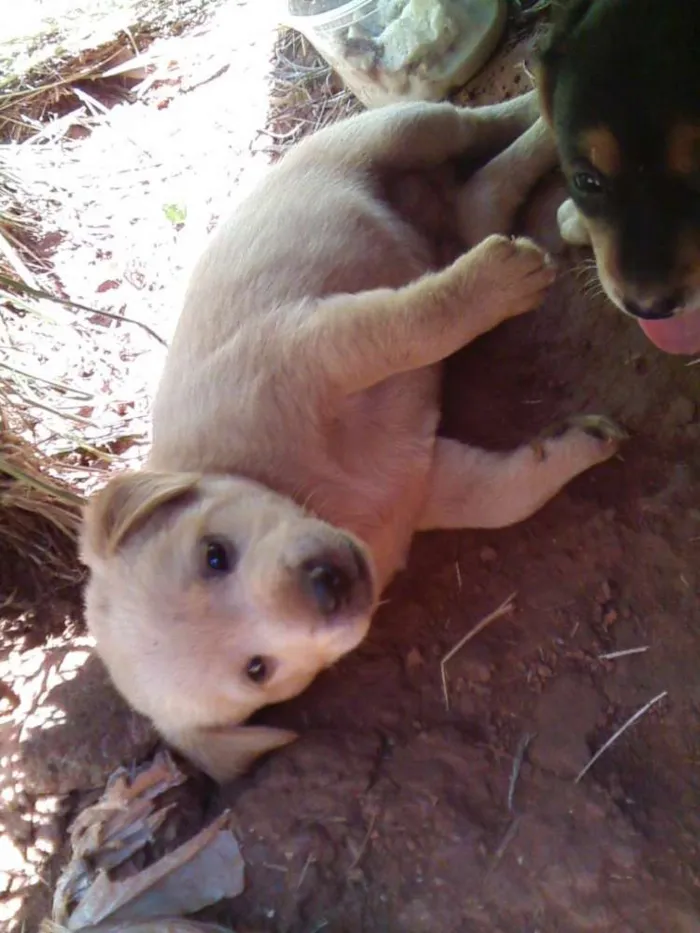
587 183
258 669
219 556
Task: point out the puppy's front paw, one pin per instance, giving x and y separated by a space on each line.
589 439
511 275
572 226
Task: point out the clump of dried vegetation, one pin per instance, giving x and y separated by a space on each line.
46 58
305 93
38 509
46 63
61 79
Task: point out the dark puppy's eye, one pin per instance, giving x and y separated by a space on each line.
587 183
258 669
219 556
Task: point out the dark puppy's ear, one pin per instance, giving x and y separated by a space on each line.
124 504
566 16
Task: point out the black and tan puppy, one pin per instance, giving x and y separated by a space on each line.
620 86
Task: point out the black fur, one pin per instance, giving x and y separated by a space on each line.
632 67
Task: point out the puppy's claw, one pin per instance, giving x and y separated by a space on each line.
607 434
601 427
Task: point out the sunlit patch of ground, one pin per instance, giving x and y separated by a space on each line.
125 198
31 822
122 196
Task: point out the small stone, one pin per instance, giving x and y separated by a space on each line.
48 838
487 555
609 618
476 672
681 411
414 659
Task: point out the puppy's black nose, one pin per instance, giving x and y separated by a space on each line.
656 310
329 585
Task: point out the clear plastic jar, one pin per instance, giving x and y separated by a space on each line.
391 50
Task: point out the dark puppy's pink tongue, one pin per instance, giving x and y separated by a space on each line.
679 335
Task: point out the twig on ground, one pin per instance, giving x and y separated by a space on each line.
508 837
14 260
613 738
505 608
517 765
365 842
310 859
613 655
19 288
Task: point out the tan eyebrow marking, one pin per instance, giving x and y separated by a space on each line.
602 150
683 151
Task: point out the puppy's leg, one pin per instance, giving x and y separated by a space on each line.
473 488
362 339
572 226
417 135
489 201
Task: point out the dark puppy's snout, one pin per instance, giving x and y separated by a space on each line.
337 580
656 310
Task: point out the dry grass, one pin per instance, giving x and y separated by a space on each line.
305 94
506 607
58 429
45 57
642 711
38 525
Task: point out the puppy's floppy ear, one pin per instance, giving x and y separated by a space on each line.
124 504
566 17
226 752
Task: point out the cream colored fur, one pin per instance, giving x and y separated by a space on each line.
296 422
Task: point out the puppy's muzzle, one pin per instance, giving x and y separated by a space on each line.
338 582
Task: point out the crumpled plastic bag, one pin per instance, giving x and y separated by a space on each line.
162 925
106 836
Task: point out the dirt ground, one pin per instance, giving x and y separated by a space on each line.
394 813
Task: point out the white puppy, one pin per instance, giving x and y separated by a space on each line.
294 444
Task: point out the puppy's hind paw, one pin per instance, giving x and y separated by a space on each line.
600 427
590 438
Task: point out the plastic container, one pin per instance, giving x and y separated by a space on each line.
391 50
